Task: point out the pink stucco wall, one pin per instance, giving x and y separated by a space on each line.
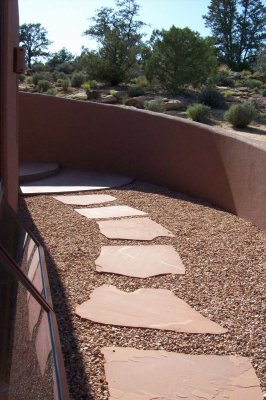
192 158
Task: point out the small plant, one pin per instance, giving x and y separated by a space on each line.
240 115
140 81
29 80
65 85
228 93
135 91
245 73
156 105
198 112
263 92
21 77
86 85
253 84
51 92
212 98
43 86
78 78
38 76
113 92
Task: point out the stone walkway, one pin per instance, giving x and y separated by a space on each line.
145 375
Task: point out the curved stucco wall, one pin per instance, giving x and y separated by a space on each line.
185 156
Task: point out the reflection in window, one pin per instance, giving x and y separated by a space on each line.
26 359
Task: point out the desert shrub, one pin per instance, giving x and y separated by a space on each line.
113 92
86 85
253 83
140 81
58 75
135 91
245 74
38 67
263 92
38 76
156 105
65 85
228 93
65 67
21 77
29 80
222 78
78 78
240 115
198 112
43 86
212 98
51 92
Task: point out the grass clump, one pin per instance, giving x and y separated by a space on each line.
86 85
212 98
135 91
228 93
43 86
198 112
156 105
65 85
78 78
51 92
240 115
253 84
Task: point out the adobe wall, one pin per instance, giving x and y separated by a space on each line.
192 158
8 101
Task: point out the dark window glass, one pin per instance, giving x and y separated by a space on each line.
27 368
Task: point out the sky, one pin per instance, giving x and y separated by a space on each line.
66 20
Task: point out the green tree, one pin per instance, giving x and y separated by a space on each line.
119 36
179 57
239 29
33 38
60 57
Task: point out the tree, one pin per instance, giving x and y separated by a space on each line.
120 40
239 29
179 57
60 57
33 38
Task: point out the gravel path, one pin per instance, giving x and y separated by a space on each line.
225 260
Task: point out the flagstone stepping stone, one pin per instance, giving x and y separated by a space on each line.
109 212
154 374
133 228
74 180
85 199
140 261
145 308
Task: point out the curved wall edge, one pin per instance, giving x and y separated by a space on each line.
223 168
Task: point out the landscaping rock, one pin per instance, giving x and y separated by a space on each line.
137 102
92 94
109 99
174 105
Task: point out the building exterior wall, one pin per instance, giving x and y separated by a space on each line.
192 158
8 101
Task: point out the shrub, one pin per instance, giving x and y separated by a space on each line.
228 93
86 85
240 115
29 80
58 75
37 77
65 85
263 92
253 84
51 92
198 112
135 91
156 105
43 86
211 97
21 77
140 81
65 67
223 79
245 73
78 78
113 92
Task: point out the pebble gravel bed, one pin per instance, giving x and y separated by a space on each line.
225 261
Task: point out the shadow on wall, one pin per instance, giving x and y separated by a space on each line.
185 156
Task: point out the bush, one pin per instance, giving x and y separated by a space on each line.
140 81
65 85
51 92
223 79
198 112
66 68
212 98
86 85
253 83
240 115
43 86
263 92
78 78
40 76
156 105
135 91
228 93
21 77
29 80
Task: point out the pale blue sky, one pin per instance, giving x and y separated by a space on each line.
65 20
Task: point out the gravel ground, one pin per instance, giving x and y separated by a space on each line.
225 260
